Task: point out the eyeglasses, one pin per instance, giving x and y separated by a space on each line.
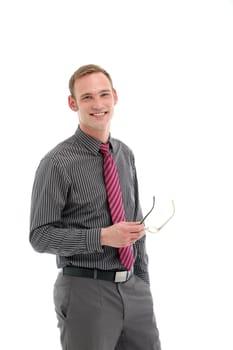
154 229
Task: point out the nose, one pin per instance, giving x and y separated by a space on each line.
96 103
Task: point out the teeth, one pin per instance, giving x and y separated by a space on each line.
99 114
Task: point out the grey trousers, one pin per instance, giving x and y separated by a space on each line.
101 315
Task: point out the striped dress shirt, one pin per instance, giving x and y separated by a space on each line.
69 204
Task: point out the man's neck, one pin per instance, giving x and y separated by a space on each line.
100 135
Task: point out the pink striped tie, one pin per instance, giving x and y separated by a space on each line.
115 202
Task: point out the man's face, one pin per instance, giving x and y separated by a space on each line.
94 101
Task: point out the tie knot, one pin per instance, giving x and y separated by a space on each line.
104 148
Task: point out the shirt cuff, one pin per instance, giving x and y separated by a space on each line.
93 241
143 275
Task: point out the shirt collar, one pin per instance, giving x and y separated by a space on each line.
89 142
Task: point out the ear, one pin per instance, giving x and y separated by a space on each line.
115 97
72 103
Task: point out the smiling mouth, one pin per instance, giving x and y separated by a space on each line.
98 115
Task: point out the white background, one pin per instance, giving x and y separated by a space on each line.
171 63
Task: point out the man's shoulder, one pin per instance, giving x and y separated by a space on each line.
120 145
61 151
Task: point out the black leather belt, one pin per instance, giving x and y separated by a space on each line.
113 276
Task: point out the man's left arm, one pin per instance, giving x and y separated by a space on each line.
141 262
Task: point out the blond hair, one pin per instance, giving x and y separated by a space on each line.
85 70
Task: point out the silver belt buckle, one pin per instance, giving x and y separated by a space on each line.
121 276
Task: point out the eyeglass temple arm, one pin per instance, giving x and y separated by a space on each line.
173 213
149 211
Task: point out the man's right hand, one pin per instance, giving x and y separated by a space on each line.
122 234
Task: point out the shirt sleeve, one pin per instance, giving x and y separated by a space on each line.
141 262
47 232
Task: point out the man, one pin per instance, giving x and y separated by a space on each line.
102 294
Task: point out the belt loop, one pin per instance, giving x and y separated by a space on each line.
95 274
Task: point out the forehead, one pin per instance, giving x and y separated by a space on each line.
91 83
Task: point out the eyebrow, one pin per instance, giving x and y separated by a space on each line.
99 92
